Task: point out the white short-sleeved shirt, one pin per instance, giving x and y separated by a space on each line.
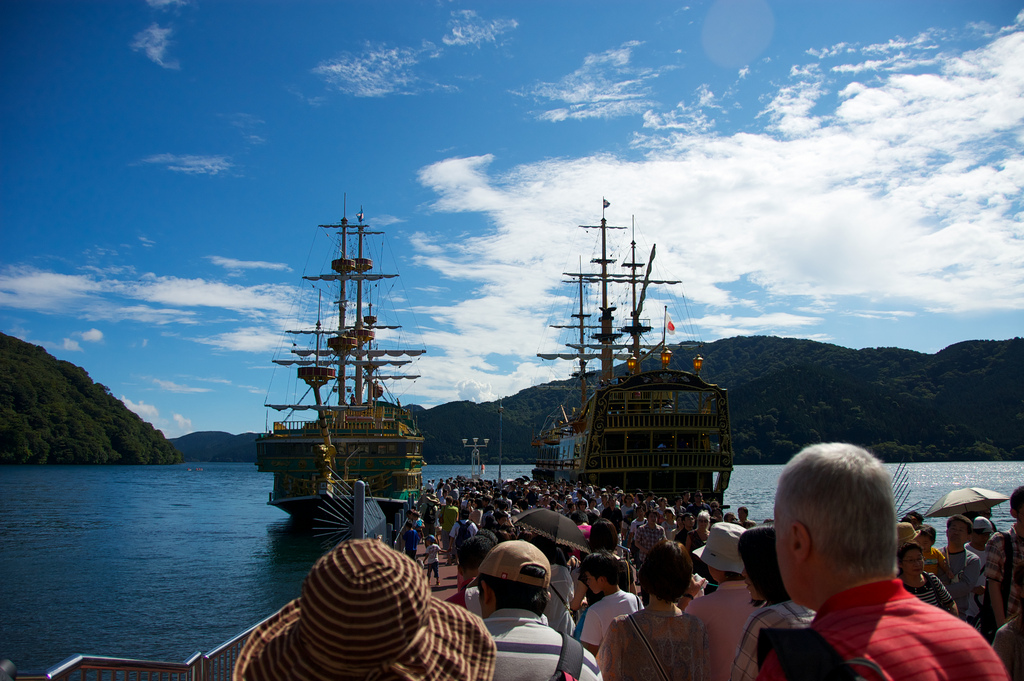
600 615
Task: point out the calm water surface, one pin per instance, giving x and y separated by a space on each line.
161 561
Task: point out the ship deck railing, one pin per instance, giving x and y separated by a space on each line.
692 460
654 460
216 665
389 426
666 420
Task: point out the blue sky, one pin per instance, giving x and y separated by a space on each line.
849 172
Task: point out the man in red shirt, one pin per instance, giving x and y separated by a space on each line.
835 527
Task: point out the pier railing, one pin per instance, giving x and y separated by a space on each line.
215 665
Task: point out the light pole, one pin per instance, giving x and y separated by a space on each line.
500 410
474 458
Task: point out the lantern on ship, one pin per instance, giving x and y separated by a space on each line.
666 357
698 362
632 364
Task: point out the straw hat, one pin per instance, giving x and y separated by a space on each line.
905 532
722 550
366 612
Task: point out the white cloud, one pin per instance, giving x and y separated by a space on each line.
380 70
255 300
248 125
152 300
177 427
172 387
606 86
467 28
92 335
183 424
146 411
691 120
31 289
166 4
71 345
893 199
191 164
234 265
251 339
154 41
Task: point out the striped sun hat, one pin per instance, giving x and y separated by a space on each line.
366 612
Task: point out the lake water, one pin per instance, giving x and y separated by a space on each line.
158 562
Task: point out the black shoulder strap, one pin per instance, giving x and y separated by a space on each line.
1007 568
804 655
571 658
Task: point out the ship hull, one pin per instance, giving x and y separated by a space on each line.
319 511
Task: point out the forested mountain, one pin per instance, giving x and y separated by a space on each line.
216 445
52 412
965 402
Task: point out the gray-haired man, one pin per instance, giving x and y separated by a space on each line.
831 501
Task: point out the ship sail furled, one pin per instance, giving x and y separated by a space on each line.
660 429
360 432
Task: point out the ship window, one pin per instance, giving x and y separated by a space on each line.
614 442
638 442
662 480
686 481
637 480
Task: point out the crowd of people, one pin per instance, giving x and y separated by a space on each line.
663 589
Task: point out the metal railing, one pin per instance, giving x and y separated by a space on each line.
215 665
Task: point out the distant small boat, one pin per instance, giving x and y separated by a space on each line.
357 431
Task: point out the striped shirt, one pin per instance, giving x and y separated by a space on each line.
931 592
785 615
909 639
994 567
527 649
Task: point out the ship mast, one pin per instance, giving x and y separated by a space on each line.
349 344
607 336
357 390
342 308
583 341
636 329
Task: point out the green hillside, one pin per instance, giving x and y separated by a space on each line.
965 402
52 412
215 445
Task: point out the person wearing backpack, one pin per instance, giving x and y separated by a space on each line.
1005 550
461 531
428 513
514 580
835 533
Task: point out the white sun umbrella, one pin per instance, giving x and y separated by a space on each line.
964 500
